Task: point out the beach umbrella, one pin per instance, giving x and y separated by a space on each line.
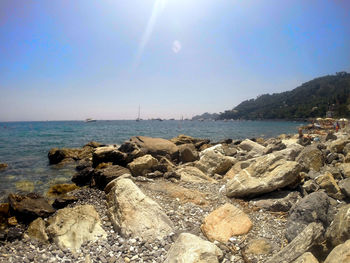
343 119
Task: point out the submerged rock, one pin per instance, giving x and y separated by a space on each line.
134 214
60 189
3 165
192 249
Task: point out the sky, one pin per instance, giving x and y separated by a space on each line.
103 59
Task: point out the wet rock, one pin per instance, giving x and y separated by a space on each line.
344 186
29 207
212 161
63 201
312 208
339 231
56 155
277 201
93 144
311 158
340 254
327 182
225 222
188 153
3 165
103 176
134 214
71 227
25 186
266 174
83 177
60 189
140 166
108 154
37 230
4 212
300 244
258 247
307 257
192 249
83 164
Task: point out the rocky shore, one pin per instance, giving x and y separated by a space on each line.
283 199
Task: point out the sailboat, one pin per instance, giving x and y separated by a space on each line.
138 116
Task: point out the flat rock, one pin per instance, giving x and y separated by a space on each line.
327 182
135 214
339 230
279 201
71 227
266 174
340 254
29 207
307 257
312 208
192 249
225 222
142 165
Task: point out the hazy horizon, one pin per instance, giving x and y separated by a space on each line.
72 60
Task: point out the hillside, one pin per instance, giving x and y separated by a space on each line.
311 99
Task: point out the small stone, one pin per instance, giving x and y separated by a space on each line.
126 260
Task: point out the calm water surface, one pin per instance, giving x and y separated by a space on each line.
24 145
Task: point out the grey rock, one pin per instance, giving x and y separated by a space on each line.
277 201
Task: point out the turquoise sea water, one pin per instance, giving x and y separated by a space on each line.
24 145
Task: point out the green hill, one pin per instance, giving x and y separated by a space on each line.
311 99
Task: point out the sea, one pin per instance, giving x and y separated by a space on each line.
24 145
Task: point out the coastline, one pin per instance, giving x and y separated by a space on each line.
191 180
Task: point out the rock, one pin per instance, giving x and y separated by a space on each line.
63 201
108 154
212 161
340 254
345 169
344 186
188 153
339 230
300 244
193 174
307 257
14 233
93 144
12 221
103 176
28 207
252 147
311 158
56 155
71 227
327 182
25 186
331 157
280 201
164 165
277 146
291 152
60 189
225 222
83 164
157 147
37 230
192 249
338 145
140 166
266 174
4 212
310 186
312 208
134 214
184 139
258 247
83 177
3 165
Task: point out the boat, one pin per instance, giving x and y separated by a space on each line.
90 120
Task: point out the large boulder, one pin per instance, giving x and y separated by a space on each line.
71 227
311 158
340 254
312 208
213 161
309 237
339 230
157 147
192 249
327 182
28 207
142 165
266 174
254 149
279 201
108 154
135 214
103 176
225 222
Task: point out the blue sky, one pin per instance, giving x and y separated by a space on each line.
70 60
